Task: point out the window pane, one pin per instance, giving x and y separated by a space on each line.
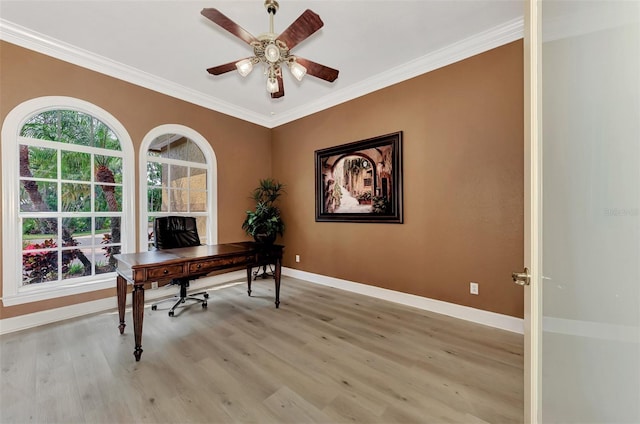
70 126
108 169
43 126
164 175
150 239
178 148
179 201
72 267
198 201
38 162
107 230
103 137
201 223
198 180
108 198
162 145
76 231
76 197
39 266
103 267
76 166
179 176
154 174
165 201
36 230
38 196
104 263
154 199
194 154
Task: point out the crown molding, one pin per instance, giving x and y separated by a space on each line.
471 46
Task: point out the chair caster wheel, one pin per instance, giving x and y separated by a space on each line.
170 313
154 307
204 305
206 295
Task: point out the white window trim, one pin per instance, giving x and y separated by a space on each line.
12 292
212 179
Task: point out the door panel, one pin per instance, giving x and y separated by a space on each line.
590 138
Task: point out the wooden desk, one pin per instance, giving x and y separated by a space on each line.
161 266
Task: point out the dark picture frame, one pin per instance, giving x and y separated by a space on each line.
360 181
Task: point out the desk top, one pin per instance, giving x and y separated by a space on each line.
155 257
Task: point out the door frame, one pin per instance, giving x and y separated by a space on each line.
532 210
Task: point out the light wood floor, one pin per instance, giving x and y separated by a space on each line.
326 356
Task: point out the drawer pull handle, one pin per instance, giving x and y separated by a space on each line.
199 266
166 271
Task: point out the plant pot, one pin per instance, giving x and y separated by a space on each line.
265 238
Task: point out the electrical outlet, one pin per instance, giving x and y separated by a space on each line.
473 288
297 258
154 285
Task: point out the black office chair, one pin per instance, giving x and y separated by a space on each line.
171 232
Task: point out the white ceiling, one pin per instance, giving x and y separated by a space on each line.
167 45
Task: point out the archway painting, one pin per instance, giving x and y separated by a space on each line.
361 181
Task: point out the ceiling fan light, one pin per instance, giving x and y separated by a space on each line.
272 85
272 53
297 70
244 67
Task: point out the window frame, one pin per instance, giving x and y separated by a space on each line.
212 180
13 292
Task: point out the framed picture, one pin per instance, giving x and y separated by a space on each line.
360 181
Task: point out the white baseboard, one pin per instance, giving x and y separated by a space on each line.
479 316
492 319
35 319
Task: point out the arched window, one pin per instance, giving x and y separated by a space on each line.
67 171
178 175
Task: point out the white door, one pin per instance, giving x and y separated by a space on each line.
583 235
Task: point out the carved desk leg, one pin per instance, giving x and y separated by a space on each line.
277 278
138 315
249 268
122 300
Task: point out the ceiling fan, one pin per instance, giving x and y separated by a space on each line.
274 50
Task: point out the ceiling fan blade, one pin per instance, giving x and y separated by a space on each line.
317 70
280 91
306 24
217 17
223 69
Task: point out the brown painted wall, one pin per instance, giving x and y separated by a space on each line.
463 159
463 185
26 75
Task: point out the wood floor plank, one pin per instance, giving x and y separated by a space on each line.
292 408
324 356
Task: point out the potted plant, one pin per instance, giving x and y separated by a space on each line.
364 198
264 223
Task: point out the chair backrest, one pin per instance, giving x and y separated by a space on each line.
175 231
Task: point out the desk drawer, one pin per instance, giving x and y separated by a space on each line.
219 263
165 271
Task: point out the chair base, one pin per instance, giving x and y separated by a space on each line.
183 297
182 300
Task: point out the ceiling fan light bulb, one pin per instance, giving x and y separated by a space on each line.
244 67
272 53
272 85
297 70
